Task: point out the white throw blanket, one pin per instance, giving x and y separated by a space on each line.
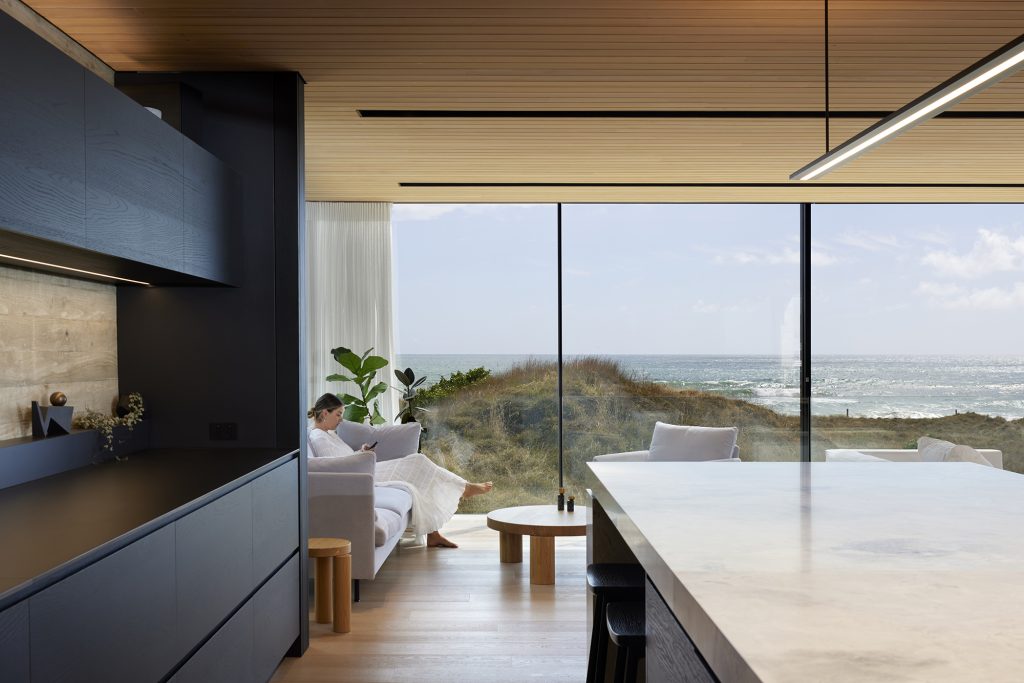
435 491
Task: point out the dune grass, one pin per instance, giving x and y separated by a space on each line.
504 428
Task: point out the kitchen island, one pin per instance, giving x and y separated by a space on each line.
824 571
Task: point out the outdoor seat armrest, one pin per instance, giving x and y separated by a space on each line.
630 456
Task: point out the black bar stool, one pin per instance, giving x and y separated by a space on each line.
609 583
626 629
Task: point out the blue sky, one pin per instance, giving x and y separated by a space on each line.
690 278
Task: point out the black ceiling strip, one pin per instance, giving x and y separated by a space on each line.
788 184
657 114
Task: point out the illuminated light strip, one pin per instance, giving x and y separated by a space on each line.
73 270
1008 59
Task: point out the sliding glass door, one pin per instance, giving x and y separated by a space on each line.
684 313
477 317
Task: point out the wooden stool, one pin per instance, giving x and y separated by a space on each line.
336 580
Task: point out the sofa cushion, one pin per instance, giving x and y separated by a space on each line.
386 523
363 462
933 450
685 443
966 454
849 455
393 441
392 498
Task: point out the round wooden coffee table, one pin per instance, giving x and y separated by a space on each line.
541 523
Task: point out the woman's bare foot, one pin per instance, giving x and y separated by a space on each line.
477 489
436 540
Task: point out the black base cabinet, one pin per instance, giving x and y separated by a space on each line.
211 596
670 654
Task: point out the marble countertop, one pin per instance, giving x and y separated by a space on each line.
832 571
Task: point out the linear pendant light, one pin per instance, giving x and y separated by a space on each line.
1002 63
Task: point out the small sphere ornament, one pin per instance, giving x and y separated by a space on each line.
58 398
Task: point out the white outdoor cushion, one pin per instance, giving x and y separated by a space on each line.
933 450
393 441
966 454
848 455
392 498
685 443
363 462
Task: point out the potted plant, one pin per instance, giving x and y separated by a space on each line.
409 394
362 370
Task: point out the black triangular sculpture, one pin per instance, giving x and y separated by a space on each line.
52 421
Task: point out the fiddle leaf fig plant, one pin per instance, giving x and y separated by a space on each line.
361 371
410 383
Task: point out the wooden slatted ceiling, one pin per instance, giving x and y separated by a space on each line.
594 55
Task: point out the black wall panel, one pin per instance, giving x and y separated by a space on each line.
113 621
225 354
134 180
213 556
42 138
14 658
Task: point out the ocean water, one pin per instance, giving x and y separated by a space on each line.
866 386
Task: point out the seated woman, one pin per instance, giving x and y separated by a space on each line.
435 491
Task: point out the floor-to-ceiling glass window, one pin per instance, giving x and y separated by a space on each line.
688 314
476 297
918 327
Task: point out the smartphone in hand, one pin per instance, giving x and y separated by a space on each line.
373 445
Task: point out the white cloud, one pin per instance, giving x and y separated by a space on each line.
992 252
869 241
426 212
577 272
822 259
953 296
703 307
758 256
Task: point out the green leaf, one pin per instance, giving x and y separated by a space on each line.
348 360
339 378
340 349
356 413
403 377
418 382
374 363
375 391
363 357
348 398
411 374
377 418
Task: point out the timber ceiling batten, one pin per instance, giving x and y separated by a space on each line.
595 56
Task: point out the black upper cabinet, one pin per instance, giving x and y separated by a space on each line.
210 197
42 138
134 180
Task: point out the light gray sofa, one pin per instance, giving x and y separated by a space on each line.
345 503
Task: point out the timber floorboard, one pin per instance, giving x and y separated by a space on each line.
457 615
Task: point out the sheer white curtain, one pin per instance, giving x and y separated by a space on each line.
349 297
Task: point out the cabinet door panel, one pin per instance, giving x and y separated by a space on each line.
134 180
42 137
14 658
214 564
277 618
208 215
671 655
112 621
227 657
275 518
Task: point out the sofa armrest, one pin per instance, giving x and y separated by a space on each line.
341 506
630 456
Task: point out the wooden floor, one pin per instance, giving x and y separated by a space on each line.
457 615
